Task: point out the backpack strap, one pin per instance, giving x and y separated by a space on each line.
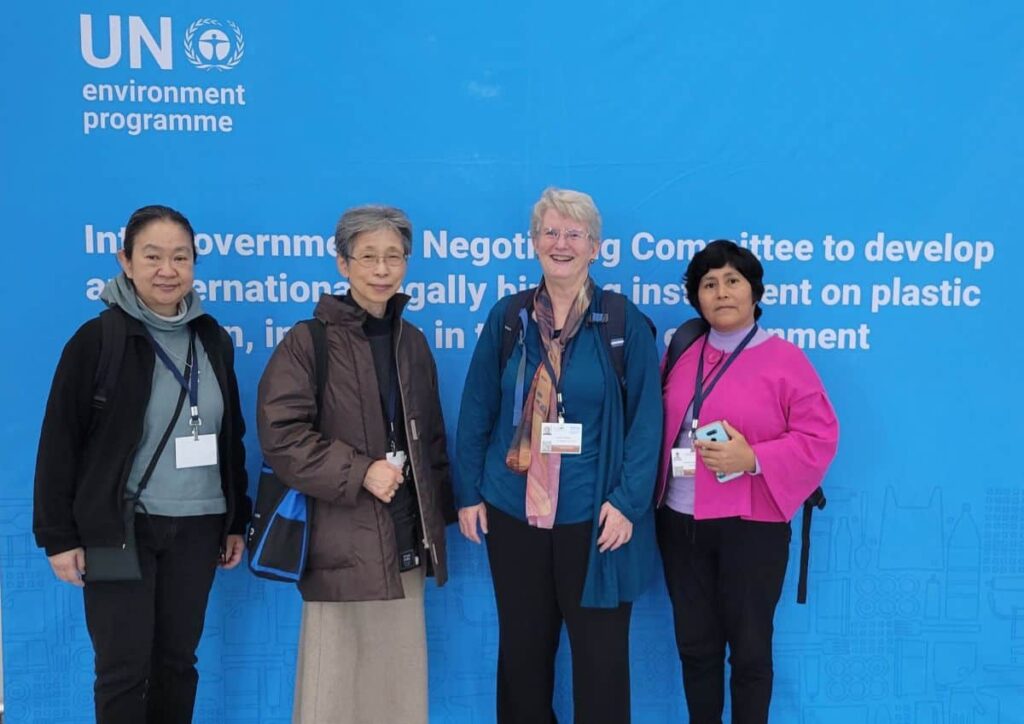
318 331
513 325
612 326
686 334
816 500
113 332
612 321
513 334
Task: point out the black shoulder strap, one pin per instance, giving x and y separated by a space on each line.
613 330
113 331
612 320
686 334
318 331
512 325
148 473
816 500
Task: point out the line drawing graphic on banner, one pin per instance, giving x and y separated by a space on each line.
214 45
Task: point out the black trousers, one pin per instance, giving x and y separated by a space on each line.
724 578
145 633
538 580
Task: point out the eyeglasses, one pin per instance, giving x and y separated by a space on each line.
570 235
370 261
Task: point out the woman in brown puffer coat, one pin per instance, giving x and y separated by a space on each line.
377 473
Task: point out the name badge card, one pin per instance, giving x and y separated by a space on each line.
193 452
565 438
684 462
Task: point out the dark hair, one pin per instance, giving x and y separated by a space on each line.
720 253
141 218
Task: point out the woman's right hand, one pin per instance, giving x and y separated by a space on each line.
382 480
470 518
69 566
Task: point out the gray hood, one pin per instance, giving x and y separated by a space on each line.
120 292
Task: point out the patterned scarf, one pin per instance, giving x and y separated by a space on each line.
541 406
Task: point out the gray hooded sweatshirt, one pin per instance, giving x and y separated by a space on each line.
170 491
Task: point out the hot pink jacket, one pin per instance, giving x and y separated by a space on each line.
773 396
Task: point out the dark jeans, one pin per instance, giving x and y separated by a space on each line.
145 633
538 577
724 577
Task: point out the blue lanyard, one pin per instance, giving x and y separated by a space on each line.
191 385
391 403
559 380
700 393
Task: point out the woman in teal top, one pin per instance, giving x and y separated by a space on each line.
556 464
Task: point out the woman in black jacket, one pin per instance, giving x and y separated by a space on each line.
140 486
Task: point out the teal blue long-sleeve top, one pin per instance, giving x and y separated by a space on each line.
621 441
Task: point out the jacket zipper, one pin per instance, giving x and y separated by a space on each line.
410 438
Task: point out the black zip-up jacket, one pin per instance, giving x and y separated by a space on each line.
85 456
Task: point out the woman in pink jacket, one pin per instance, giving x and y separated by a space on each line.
724 507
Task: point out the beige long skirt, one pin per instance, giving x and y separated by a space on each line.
363 662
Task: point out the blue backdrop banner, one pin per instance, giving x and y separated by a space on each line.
869 153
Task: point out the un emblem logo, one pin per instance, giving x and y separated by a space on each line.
208 46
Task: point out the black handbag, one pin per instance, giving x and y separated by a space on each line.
121 563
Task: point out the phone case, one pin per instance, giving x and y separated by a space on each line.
715 432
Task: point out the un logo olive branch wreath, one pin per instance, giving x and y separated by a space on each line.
193 58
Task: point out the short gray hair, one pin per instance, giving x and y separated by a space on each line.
575 205
371 217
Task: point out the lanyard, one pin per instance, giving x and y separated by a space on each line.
700 393
191 384
557 379
390 404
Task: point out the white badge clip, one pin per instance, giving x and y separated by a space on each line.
564 438
397 459
195 451
684 462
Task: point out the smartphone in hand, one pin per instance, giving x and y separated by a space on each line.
715 432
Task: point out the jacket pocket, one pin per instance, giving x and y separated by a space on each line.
334 537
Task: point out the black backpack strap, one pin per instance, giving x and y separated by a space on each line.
612 325
512 327
318 331
113 332
686 334
816 500
612 321
513 334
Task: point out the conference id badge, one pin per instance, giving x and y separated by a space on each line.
564 438
397 459
684 462
195 452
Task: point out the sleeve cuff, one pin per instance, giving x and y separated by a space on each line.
467 498
616 499
356 474
53 547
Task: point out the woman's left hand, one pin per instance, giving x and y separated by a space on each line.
734 456
232 552
616 529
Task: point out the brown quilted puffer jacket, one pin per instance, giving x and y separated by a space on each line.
353 555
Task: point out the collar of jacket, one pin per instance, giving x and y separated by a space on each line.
332 310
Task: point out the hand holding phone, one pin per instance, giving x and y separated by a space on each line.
715 432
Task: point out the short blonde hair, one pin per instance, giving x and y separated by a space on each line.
571 204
